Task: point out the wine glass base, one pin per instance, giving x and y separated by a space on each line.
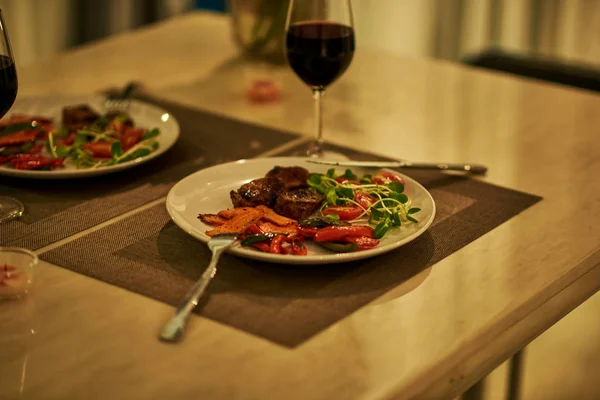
10 208
314 150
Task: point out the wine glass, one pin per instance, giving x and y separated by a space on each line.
319 48
9 208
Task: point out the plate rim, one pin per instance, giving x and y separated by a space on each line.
86 173
332 258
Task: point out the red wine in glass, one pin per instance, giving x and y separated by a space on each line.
9 207
319 51
319 47
8 84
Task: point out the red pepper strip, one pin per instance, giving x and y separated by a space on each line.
19 137
285 250
337 233
25 157
34 161
262 246
255 230
298 249
308 231
364 243
4 159
36 149
276 244
33 164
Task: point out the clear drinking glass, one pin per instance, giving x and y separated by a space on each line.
16 271
9 207
319 47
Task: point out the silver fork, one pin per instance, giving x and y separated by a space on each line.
121 101
173 330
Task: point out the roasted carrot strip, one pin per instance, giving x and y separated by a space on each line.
275 218
238 224
212 219
270 227
229 214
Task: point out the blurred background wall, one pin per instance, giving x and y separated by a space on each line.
447 29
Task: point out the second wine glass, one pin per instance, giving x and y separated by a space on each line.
10 208
320 45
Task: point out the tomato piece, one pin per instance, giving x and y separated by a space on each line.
99 149
298 249
69 140
341 179
364 199
337 233
363 242
276 244
131 137
346 213
383 177
307 231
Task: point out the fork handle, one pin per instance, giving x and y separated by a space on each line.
173 329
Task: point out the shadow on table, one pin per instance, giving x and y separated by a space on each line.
286 304
372 276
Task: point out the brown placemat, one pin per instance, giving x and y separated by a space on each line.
148 254
58 209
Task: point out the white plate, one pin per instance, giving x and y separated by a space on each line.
143 114
207 191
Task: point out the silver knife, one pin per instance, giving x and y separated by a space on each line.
475 169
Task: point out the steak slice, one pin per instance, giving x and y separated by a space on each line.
262 191
77 117
298 204
292 177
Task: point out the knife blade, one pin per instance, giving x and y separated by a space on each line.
475 169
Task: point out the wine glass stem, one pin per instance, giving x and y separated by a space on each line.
317 148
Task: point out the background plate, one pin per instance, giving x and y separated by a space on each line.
143 114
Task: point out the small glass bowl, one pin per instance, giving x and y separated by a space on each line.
16 271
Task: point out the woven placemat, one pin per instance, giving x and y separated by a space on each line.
58 209
146 253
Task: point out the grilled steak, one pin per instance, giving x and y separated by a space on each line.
292 177
76 117
298 203
262 191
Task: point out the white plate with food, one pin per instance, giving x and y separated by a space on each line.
58 137
289 211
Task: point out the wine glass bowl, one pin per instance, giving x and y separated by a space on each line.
319 52
320 45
